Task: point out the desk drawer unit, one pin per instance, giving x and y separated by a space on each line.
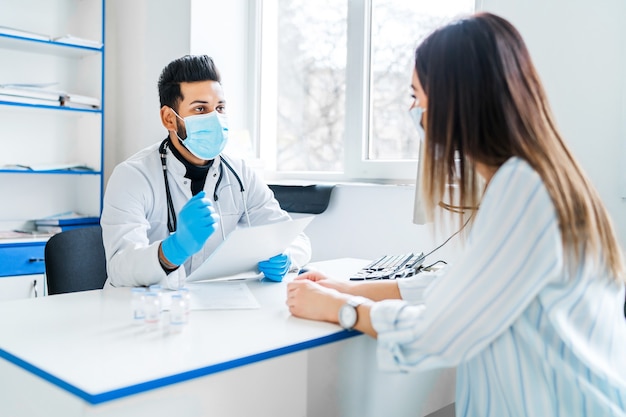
22 258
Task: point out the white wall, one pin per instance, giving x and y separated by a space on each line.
370 220
579 49
142 36
221 31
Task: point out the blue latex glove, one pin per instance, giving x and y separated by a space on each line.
276 267
196 222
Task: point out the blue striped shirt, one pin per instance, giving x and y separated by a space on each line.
532 332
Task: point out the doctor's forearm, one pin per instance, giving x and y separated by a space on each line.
132 267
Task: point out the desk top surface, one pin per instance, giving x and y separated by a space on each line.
86 343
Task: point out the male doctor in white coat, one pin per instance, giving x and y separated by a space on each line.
169 206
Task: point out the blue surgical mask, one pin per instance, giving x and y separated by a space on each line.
207 134
416 114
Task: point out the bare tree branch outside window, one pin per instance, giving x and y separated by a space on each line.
312 50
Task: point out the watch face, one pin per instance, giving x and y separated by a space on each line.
347 316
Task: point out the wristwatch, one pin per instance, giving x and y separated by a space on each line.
348 314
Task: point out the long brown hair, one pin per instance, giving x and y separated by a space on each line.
486 104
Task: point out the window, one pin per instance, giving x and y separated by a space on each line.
335 77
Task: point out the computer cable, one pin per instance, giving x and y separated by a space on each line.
451 236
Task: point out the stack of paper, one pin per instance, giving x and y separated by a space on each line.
23 234
67 39
40 94
33 94
71 166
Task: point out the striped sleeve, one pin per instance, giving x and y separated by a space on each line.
514 249
412 289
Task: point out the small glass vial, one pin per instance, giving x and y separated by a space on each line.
152 310
177 314
137 304
158 290
186 296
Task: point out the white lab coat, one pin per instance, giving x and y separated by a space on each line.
134 216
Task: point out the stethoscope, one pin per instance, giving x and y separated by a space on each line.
171 213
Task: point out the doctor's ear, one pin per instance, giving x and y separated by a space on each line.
168 118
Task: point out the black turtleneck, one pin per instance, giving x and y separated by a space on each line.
197 174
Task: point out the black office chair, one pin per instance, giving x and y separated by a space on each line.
75 261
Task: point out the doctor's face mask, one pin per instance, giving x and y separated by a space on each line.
207 134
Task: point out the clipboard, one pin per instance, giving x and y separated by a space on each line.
238 256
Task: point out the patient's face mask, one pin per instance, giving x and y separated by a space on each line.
207 134
416 114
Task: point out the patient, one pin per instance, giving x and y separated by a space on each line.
531 314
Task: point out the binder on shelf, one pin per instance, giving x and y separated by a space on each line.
51 230
68 219
76 100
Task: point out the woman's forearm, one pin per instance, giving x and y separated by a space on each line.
374 290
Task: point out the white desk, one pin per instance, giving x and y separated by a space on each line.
79 355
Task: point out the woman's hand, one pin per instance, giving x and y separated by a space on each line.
312 276
310 300
324 281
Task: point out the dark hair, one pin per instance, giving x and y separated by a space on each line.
188 68
486 104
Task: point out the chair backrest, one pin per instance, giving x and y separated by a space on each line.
311 199
75 261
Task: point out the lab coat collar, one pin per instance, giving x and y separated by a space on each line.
178 170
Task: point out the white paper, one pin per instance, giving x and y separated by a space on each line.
245 247
221 296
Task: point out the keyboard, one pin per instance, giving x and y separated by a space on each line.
391 267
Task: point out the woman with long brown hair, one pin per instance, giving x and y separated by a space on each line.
532 311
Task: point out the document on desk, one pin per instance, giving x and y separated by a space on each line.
238 256
221 296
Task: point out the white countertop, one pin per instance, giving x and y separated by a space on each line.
86 342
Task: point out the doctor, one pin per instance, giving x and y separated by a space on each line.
169 206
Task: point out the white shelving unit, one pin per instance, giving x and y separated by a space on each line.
46 135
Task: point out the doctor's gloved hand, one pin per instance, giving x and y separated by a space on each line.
196 222
276 267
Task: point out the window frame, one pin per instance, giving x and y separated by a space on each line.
356 141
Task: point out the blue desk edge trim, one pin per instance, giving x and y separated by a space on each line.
173 379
